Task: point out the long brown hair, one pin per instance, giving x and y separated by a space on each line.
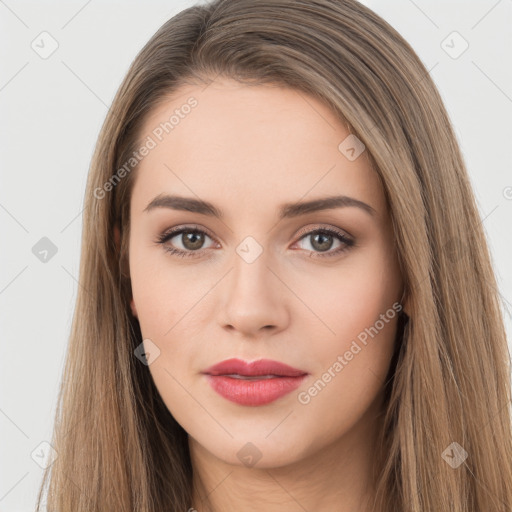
119 448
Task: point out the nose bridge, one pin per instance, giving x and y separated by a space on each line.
253 297
251 273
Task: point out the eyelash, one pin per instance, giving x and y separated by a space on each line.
164 237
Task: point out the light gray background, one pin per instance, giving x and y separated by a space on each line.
51 111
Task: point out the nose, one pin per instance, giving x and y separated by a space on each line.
254 299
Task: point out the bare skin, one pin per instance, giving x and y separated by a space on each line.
248 150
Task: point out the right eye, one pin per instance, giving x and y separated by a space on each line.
191 239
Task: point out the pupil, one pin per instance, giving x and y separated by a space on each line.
193 240
323 245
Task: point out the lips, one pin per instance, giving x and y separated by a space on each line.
261 367
253 383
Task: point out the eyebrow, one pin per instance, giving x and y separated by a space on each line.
286 211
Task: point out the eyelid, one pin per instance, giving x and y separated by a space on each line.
186 227
303 231
319 227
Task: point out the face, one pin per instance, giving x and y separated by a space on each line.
314 289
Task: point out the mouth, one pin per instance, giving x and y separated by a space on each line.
259 368
253 383
252 377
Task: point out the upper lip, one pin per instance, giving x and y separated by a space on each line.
259 367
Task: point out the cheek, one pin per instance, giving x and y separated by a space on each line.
349 300
163 292
174 310
359 343
358 312
350 370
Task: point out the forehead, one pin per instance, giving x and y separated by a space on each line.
265 144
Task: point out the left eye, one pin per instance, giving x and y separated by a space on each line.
322 240
192 240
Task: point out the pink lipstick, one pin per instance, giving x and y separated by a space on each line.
253 383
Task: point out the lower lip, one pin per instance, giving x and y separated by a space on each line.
253 392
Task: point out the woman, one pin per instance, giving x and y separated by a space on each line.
287 300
